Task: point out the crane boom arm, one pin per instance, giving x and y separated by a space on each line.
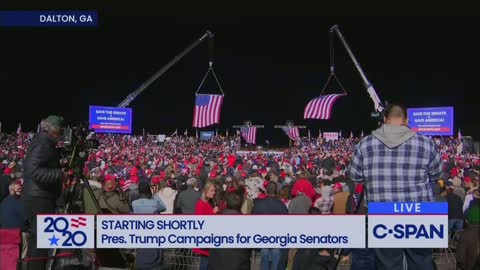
371 91
164 69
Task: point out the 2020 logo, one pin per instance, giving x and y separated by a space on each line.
65 231
61 225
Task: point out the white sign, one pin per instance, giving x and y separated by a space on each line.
65 231
161 138
274 153
330 136
230 231
407 231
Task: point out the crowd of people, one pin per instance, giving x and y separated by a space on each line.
184 175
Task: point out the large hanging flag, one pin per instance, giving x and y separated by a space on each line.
361 134
309 133
292 133
0 127
19 129
226 133
321 107
319 134
207 110
249 134
186 132
351 134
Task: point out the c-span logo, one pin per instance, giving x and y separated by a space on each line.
407 225
65 231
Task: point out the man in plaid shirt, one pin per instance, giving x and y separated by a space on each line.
398 165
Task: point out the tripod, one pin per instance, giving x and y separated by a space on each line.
108 257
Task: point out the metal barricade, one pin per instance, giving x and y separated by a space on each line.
185 259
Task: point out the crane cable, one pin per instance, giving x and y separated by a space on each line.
210 69
332 67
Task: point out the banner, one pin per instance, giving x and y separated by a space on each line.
330 136
230 231
431 121
161 138
390 225
111 119
270 153
407 225
207 135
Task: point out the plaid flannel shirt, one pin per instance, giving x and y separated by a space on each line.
400 174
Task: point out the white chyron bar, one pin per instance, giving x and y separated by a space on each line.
230 231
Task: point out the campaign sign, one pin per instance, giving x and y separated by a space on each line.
230 231
407 225
65 231
330 136
111 119
162 138
207 135
431 121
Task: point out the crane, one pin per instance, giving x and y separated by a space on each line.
379 107
126 102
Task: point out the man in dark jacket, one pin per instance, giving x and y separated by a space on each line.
270 205
455 212
272 258
230 258
188 199
11 209
42 181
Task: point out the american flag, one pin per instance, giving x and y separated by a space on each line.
207 110
321 107
249 134
126 185
292 133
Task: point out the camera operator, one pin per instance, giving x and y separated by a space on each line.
42 182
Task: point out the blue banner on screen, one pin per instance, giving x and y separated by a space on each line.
49 18
111 119
206 135
431 121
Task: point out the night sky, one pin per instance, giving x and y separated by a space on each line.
270 62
